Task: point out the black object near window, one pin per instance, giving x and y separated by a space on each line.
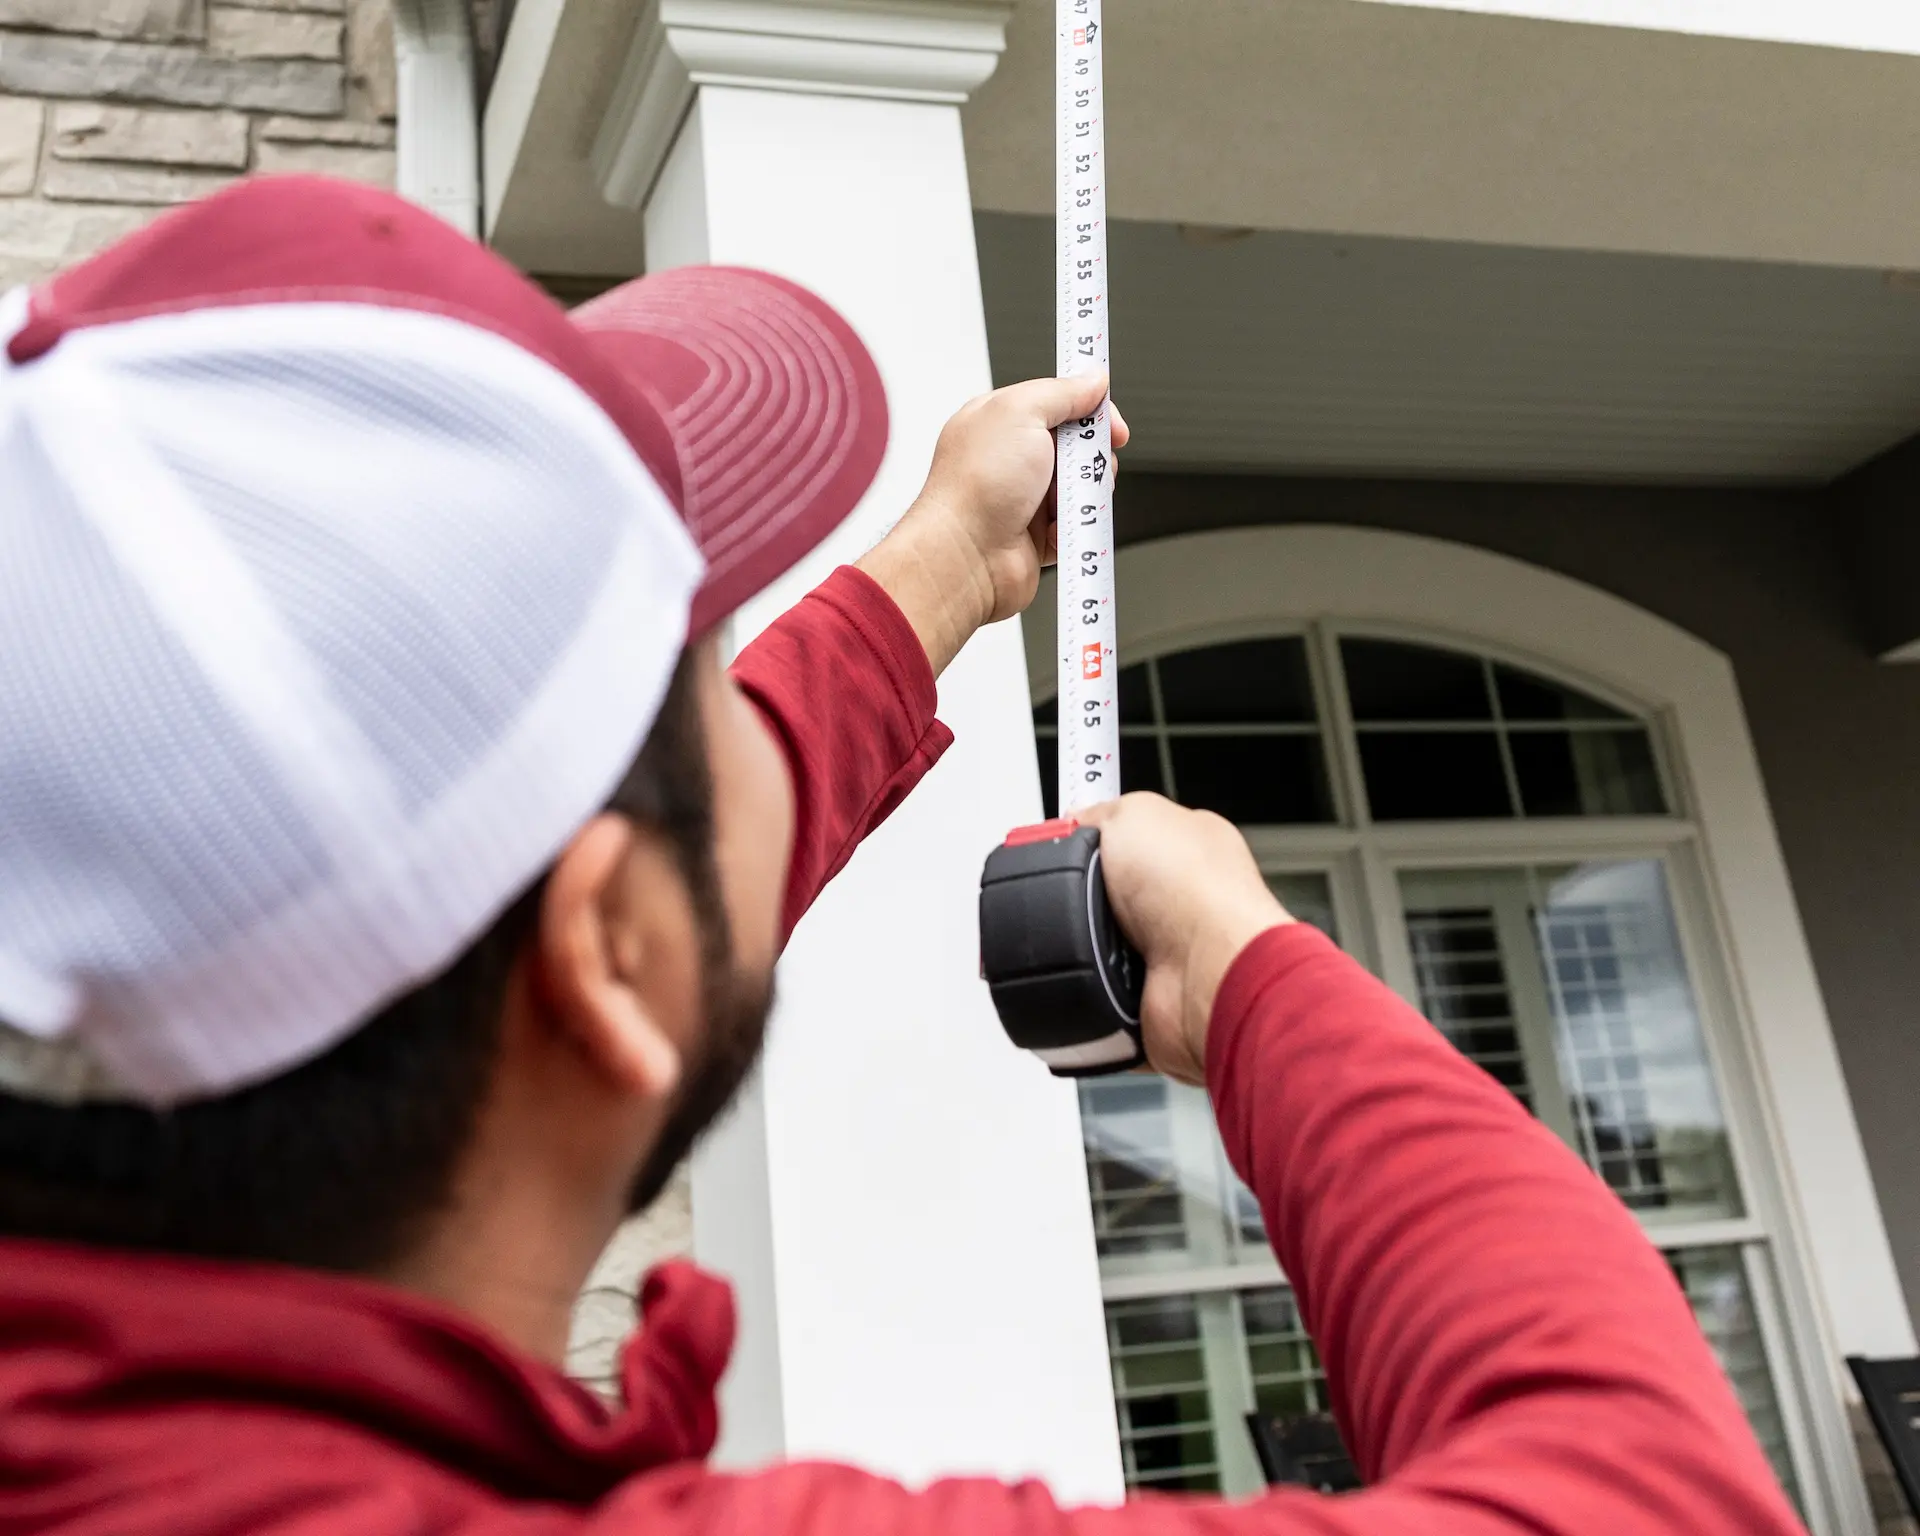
1891 1389
1306 1452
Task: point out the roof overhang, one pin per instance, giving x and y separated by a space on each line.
1451 122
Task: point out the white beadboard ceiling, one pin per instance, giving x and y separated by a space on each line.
1319 353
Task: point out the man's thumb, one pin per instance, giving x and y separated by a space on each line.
1069 399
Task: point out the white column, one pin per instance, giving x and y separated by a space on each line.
901 1199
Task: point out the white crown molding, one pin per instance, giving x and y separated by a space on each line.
900 50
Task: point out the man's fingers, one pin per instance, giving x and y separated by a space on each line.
1054 402
1122 433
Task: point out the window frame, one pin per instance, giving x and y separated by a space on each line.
1736 944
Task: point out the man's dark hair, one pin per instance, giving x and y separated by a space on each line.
340 1163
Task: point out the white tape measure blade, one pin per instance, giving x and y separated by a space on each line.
1088 694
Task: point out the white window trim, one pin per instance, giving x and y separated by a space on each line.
1202 588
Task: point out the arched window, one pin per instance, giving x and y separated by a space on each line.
1510 846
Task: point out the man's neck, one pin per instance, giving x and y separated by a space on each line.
512 1262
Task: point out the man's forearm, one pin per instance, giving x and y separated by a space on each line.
1497 1331
937 579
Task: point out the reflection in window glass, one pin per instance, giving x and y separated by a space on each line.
1160 1387
1288 1382
1463 990
1127 1129
1715 1281
1188 1370
1308 897
1568 984
1586 773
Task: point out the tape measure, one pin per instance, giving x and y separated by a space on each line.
1089 693
1064 978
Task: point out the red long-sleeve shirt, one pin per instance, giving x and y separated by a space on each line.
1508 1355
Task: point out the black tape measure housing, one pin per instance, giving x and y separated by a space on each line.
1065 980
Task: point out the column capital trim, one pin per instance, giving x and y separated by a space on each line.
899 50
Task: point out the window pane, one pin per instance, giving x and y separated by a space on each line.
1526 697
1587 773
1308 897
1164 1195
1047 711
1390 681
1715 1281
1046 747
1434 776
1567 983
1463 990
1160 1388
1263 681
1254 780
1140 765
1126 1125
1136 696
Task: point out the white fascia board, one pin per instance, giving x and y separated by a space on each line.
1872 26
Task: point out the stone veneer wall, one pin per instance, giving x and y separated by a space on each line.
605 1314
112 110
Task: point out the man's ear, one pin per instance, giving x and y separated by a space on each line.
607 957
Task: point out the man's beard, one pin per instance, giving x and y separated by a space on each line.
736 1005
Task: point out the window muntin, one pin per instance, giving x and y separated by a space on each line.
1567 983
1446 736
1232 728
1577 1004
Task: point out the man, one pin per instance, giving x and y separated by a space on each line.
392 881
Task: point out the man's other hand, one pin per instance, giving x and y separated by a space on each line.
1187 891
970 549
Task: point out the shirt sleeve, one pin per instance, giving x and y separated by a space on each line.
843 684
1508 1354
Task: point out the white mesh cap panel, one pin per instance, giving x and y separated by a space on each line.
322 628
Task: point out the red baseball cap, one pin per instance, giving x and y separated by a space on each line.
344 574
750 400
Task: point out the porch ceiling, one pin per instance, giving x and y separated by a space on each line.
1346 117
1379 356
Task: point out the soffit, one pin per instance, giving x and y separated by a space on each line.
1315 353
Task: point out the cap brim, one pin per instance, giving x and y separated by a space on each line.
776 411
